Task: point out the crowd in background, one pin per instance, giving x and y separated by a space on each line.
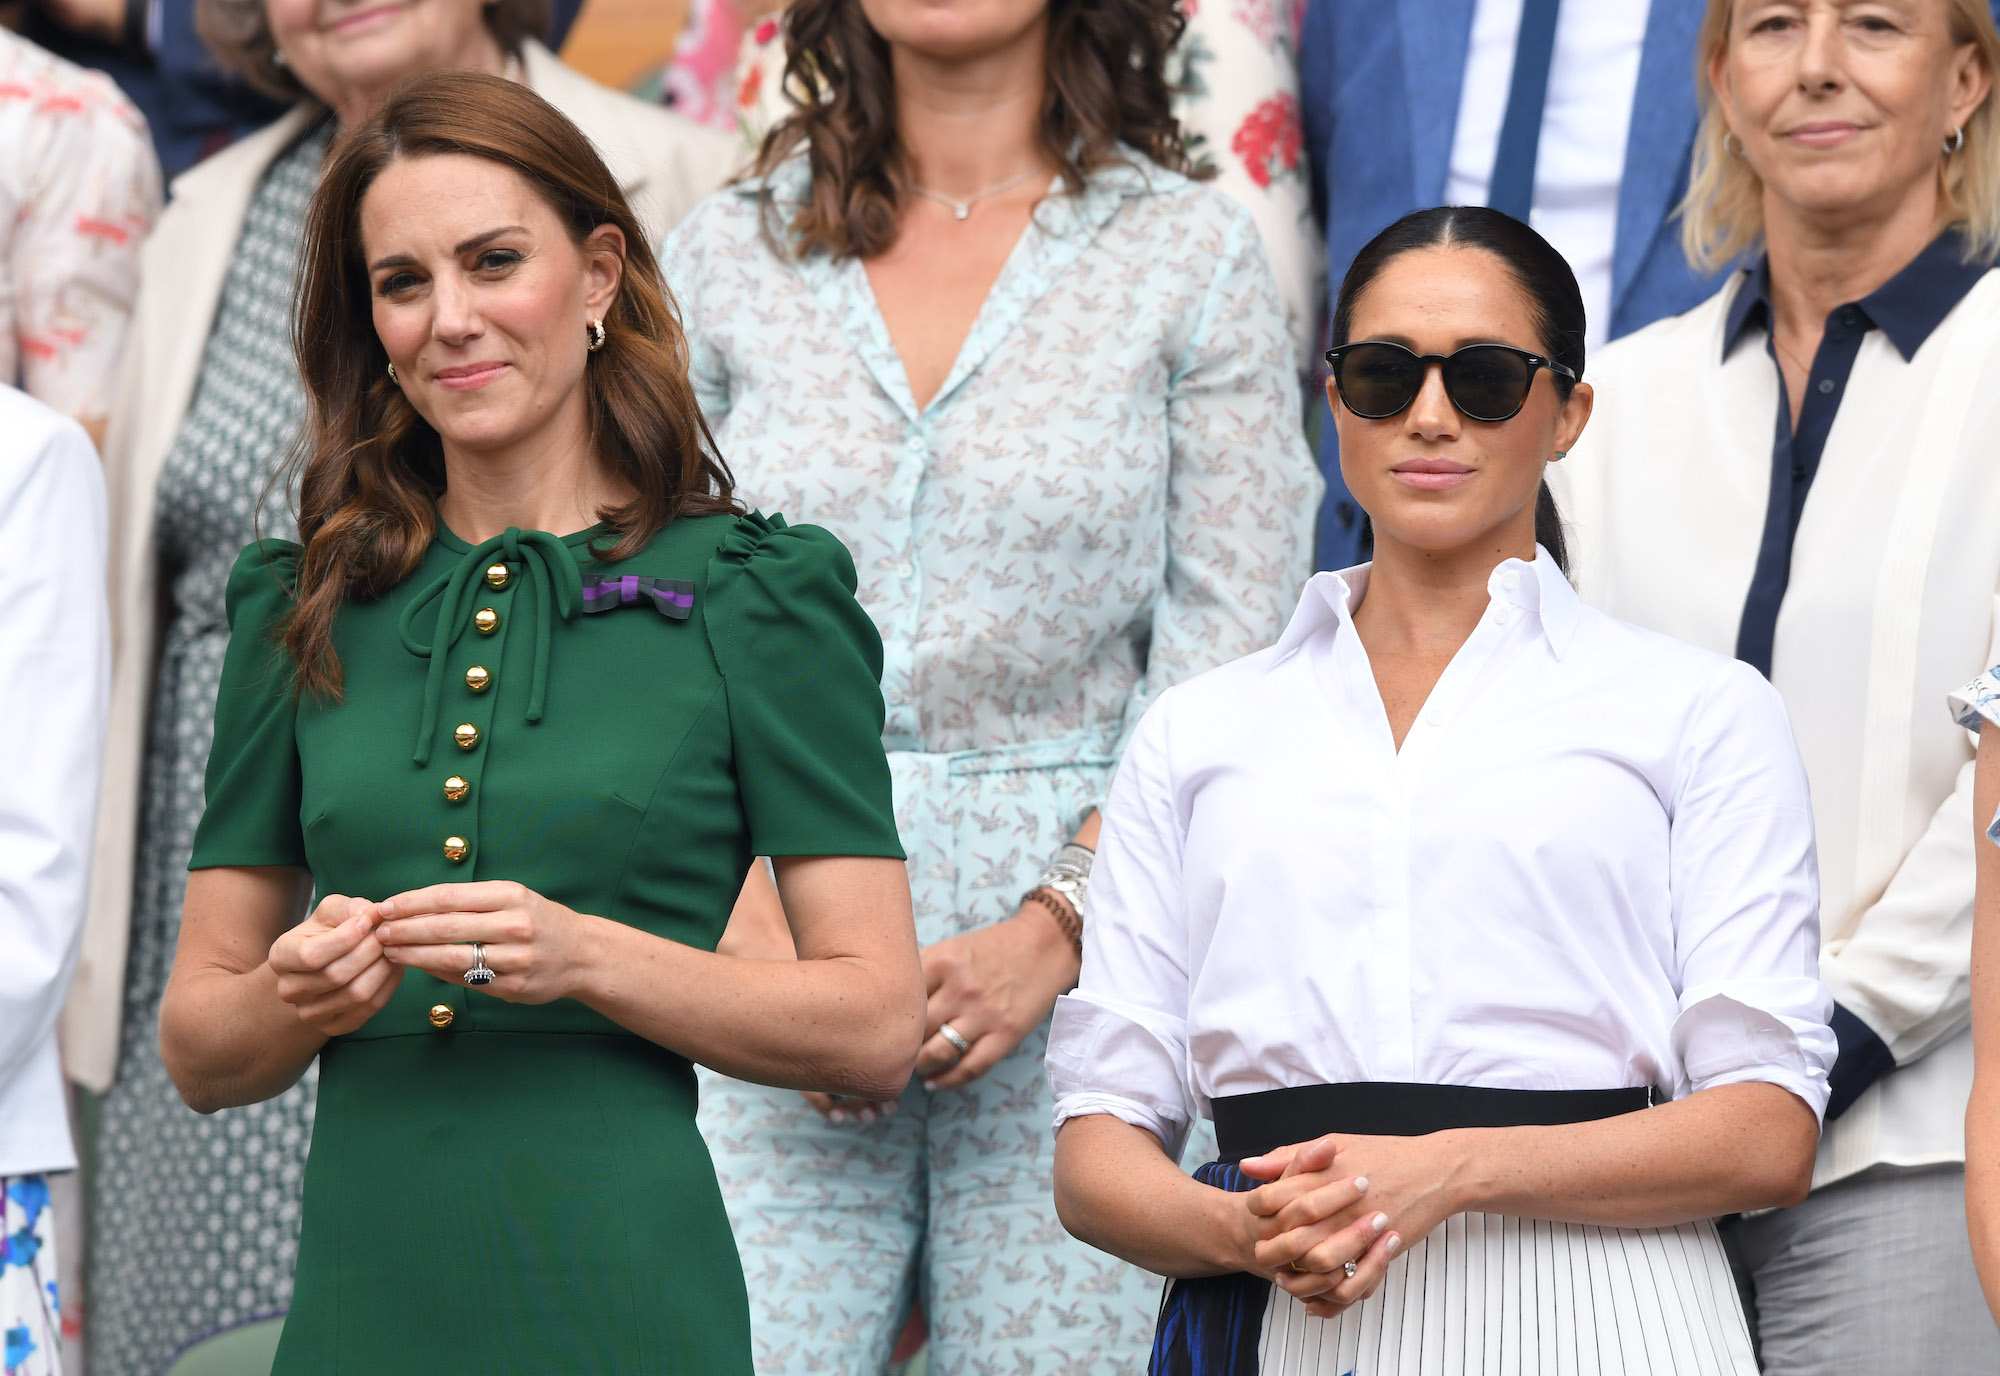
1070 431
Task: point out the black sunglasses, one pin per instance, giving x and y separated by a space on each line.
1488 382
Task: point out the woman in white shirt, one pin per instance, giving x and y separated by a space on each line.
1800 472
1423 903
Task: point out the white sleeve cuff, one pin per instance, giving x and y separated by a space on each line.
1773 1030
1104 1058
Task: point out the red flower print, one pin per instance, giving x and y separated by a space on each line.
746 93
766 31
1268 140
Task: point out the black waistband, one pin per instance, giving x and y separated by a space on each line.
1252 1124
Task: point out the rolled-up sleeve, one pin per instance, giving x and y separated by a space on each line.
1118 1044
1746 899
1972 706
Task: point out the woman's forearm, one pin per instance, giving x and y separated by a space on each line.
1117 1191
1982 1180
228 1039
226 1036
1982 1112
1723 1150
845 1025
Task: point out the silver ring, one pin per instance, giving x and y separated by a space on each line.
950 1034
479 973
1348 1267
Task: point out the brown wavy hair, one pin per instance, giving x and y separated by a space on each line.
373 468
1107 85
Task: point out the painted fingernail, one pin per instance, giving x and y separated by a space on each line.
1361 1184
888 1108
1395 1243
1379 1222
864 1115
837 1116
930 1084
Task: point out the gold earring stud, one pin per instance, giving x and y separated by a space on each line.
597 334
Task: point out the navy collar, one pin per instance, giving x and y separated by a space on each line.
1906 308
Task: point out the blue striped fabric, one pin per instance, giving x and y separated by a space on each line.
1211 1325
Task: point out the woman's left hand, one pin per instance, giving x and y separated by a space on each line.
536 947
1309 1206
993 986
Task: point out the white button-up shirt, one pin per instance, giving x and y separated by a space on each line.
55 654
1589 866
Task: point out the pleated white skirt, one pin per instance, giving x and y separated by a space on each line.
1517 1297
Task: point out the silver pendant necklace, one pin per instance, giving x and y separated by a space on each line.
963 209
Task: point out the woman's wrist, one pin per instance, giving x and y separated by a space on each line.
1058 952
1463 1168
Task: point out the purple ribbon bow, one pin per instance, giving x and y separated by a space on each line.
669 596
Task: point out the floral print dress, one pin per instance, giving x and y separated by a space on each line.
1110 492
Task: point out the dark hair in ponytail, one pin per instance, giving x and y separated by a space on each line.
1543 275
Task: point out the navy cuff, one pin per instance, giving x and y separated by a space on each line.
1864 1058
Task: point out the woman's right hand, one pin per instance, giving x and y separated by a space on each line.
1309 1221
331 969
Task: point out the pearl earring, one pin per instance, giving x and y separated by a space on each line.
392 375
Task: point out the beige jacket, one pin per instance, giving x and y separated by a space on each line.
664 163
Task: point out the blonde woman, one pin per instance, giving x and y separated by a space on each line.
1800 472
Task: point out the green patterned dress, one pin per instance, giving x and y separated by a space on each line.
195 1221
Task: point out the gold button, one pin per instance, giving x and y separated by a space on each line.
455 789
441 1015
455 849
477 679
466 734
486 621
496 575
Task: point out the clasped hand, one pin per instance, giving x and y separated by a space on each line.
1339 1199
345 961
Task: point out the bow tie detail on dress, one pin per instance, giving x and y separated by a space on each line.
558 591
669 596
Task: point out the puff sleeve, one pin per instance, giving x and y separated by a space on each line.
802 667
254 780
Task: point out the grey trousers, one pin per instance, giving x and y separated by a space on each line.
1871 1276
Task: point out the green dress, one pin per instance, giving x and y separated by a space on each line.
498 1187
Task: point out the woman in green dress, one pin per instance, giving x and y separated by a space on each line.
525 773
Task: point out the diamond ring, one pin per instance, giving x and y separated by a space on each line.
480 973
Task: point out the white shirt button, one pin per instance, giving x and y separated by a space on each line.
916 444
906 570
1511 579
1503 616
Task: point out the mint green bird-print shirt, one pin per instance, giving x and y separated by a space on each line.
1110 492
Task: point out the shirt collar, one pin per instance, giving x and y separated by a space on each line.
1538 588
1907 308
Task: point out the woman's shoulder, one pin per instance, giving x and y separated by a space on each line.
224 179
1160 193
639 140
263 583
1663 673
1696 333
770 587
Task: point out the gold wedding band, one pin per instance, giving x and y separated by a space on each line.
1300 1269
